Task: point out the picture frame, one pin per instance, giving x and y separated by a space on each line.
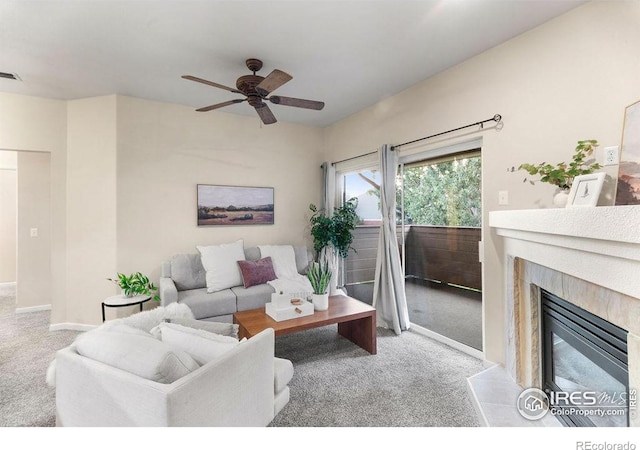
585 190
234 205
628 186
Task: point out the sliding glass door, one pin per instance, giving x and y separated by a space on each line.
441 219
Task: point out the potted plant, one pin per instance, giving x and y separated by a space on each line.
332 235
319 276
135 284
562 174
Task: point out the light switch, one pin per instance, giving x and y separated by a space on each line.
503 197
33 232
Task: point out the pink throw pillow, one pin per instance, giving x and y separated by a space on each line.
257 272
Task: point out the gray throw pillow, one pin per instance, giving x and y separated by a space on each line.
224 329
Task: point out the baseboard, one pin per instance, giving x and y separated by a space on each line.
31 309
7 283
476 404
450 342
71 327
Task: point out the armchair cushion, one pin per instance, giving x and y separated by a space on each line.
140 355
224 329
203 346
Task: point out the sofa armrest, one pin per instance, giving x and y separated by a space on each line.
239 388
168 291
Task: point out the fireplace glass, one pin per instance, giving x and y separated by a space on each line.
584 358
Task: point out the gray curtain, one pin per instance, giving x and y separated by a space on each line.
389 297
328 204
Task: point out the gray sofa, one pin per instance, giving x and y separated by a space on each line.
183 280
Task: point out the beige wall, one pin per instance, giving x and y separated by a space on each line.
165 150
8 211
36 124
567 80
34 211
91 206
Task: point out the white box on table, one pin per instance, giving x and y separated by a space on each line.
289 311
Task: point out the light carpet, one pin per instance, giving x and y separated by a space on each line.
413 381
26 349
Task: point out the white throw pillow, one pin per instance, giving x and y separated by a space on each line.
201 345
221 264
283 258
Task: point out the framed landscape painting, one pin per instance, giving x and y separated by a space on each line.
628 191
234 205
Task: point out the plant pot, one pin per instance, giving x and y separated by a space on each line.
561 198
320 302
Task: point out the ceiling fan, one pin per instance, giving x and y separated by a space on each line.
256 90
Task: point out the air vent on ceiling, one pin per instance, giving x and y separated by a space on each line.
11 76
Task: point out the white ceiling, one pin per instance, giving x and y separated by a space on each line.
349 54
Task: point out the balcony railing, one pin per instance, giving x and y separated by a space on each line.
445 254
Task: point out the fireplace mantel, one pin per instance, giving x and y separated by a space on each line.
601 244
573 253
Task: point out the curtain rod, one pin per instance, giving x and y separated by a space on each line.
497 118
354 157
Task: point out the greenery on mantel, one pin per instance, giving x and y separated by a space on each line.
135 284
562 174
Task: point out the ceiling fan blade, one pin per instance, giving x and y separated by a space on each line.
297 102
210 83
265 114
273 81
220 105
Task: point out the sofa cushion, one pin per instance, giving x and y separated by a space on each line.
187 272
253 297
200 344
143 356
252 253
302 259
257 272
206 305
221 265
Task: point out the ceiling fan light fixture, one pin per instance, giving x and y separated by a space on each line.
256 88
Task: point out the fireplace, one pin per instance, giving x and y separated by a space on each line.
587 259
584 365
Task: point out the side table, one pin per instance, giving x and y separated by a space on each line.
118 301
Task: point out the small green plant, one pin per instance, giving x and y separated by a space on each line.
319 276
135 284
562 174
335 230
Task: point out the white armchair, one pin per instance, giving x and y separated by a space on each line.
246 386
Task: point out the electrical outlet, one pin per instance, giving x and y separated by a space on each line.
33 232
611 156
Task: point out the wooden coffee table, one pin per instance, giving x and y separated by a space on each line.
356 321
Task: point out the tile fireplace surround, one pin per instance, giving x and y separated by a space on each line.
587 256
